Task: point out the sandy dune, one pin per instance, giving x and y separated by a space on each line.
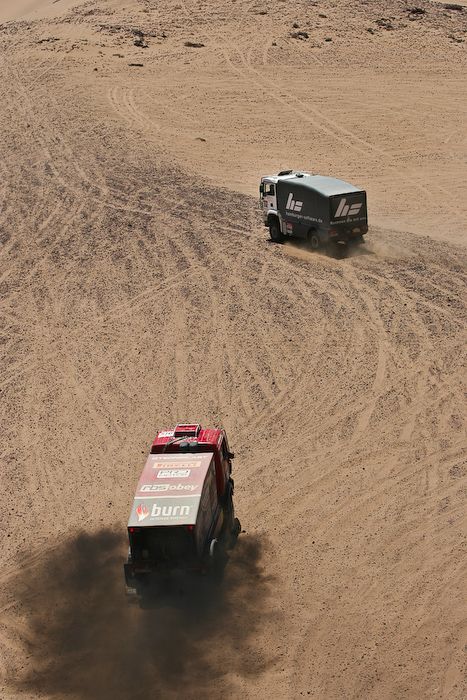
138 288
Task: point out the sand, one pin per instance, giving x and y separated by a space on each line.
139 288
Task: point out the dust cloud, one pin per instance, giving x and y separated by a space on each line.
87 641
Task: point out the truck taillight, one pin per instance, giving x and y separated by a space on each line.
133 529
332 232
190 528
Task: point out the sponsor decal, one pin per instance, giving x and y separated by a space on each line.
157 488
345 209
173 474
142 512
165 509
292 204
170 511
166 433
181 466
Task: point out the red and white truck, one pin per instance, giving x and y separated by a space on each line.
182 517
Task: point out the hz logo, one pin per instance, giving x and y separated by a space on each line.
292 204
345 209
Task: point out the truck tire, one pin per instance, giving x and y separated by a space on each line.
237 528
275 231
314 240
213 550
217 556
217 560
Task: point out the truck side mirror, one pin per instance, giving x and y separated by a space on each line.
261 188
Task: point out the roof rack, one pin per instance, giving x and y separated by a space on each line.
285 172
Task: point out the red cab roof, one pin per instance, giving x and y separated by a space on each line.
189 432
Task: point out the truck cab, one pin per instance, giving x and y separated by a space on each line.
268 196
182 517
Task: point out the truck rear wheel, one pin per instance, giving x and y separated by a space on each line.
314 241
213 551
217 560
275 232
237 528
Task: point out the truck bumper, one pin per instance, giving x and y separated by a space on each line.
346 235
135 573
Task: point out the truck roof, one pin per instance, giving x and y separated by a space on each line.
169 489
327 186
207 437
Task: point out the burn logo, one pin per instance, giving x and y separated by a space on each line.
142 512
169 511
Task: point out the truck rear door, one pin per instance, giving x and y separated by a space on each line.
349 208
159 544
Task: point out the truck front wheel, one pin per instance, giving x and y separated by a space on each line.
275 231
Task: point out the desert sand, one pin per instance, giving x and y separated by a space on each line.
139 289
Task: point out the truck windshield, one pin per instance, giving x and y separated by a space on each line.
174 544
